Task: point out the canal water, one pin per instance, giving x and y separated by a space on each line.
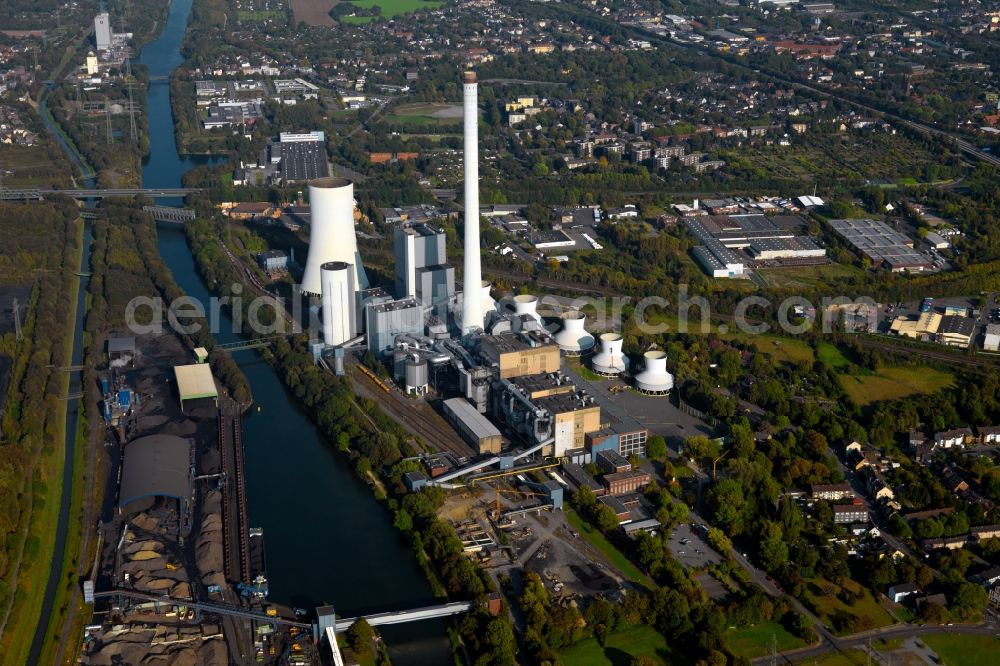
327 540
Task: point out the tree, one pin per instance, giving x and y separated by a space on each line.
719 541
360 636
700 447
656 448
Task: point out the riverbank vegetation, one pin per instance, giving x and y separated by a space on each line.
33 422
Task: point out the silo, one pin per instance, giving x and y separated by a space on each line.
337 285
573 339
331 230
610 361
416 376
654 379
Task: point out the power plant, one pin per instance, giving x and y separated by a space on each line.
495 365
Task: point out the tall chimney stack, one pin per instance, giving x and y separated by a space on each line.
472 306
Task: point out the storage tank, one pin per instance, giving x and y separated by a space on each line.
527 304
416 376
337 280
331 230
609 361
573 339
654 379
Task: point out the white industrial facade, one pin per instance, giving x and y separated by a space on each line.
339 303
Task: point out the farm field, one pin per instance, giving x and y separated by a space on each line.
757 640
313 12
808 277
622 649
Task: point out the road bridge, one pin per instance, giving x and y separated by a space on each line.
36 194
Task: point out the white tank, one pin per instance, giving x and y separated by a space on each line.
338 288
573 339
527 304
609 361
654 379
331 230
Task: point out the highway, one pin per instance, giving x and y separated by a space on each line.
154 192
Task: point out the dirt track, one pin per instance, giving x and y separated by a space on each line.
313 12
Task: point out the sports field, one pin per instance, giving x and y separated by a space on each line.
391 8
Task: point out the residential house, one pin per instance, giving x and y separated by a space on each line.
985 532
831 491
849 513
902 590
947 439
952 481
951 543
989 434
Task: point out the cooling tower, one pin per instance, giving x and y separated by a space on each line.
654 380
331 230
489 305
610 361
472 307
527 304
338 286
573 340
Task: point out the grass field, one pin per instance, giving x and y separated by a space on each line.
964 649
853 658
757 640
425 114
615 556
830 607
808 277
621 648
832 356
893 383
791 350
391 8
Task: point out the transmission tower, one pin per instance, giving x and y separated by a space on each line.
18 333
131 107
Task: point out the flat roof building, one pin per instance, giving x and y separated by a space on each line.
882 244
475 428
623 483
195 382
956 331
517 355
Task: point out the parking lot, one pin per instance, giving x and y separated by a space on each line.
690 547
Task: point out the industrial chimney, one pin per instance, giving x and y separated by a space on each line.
331 230
472 302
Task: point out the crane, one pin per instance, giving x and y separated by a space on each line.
509 491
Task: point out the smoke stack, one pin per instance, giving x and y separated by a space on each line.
472 305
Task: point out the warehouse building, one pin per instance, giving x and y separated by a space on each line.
195 382
475 428
956 331
623 483
882 244
926 325
992 340
157 466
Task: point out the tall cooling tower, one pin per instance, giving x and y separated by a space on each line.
472 302
331 230
338 288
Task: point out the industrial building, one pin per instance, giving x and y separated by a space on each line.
924 326
384 322
623 483
102 31
156 466
272 261
340 309
882 244
516 355
475 428
195 382
422 269
991 342
956 331
731 243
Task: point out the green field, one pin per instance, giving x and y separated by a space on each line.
615 556
790 350
808 277
894 383
390 8
964 649
830 607
852 657
832 356
621 648
757 640
425 114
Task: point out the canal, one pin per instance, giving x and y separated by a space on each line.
327 539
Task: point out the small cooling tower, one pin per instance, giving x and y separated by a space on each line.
573 340
610 361
331 230
527 304
337 281
654 379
